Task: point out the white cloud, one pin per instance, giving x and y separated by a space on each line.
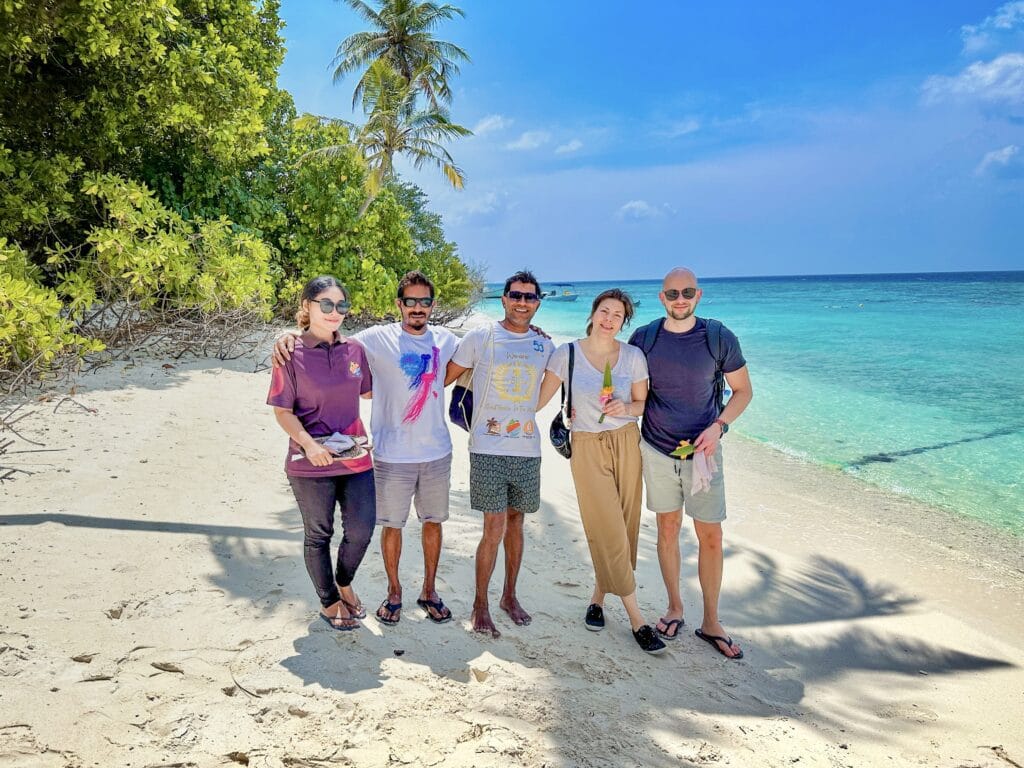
490 124
1001 162
482 208
680 128
639 209
1001 27
570 146
997 81
529 140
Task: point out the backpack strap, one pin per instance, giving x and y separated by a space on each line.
717 350
649 334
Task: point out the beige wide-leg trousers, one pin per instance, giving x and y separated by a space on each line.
607 472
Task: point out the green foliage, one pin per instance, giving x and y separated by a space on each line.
326 234
159 90
149 162
436 256
144 254
33 329
401 36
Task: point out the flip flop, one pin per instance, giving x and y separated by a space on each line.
390 608
669 624
357 610
714 640
339 627
439 606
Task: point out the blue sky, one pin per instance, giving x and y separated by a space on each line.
738 138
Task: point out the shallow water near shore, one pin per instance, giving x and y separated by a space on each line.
909 382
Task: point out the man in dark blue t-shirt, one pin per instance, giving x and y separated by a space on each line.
682 405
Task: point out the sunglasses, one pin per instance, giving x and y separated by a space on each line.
526 296
327 306
425 302
687 293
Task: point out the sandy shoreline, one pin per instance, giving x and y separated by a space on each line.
156 612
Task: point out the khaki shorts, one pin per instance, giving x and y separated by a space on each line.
398 485
668 482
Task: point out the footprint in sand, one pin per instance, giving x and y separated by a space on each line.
907 711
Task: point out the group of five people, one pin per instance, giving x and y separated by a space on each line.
670 374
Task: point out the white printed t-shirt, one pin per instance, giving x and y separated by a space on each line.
505 389
407 419
587 383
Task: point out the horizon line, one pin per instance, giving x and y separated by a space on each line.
798 276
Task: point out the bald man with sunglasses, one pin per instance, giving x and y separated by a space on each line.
682 405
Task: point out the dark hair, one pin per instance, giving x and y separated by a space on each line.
313 288
612 293
414 277
522 276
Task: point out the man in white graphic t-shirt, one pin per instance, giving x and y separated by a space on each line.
412 447
508 359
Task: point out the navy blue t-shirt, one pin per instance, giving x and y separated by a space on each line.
681 402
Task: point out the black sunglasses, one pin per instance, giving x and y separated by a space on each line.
327 306
687 293
526 296
409 301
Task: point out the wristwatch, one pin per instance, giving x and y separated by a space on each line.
723 425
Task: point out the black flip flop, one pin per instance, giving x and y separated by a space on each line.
669 623
390 608
439 606
714 640
338 627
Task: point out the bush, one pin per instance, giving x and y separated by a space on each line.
34 330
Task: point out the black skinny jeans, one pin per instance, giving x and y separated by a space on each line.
317 498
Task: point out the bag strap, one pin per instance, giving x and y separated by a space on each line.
714 339
487 381
568 383
650 335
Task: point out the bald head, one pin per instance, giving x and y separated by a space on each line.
677 274
680 296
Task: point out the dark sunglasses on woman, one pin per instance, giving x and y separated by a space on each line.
409 301
687 293
327 306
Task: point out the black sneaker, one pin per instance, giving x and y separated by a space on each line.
594 620
648 640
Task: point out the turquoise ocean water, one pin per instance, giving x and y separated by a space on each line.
914 383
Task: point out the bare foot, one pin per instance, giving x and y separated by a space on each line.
515 611
482 622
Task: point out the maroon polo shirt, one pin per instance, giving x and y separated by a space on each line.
321 385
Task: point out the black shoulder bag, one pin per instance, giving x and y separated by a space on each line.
560 435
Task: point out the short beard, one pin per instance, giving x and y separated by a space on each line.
681 315
416 322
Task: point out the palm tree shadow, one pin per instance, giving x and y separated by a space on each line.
824 590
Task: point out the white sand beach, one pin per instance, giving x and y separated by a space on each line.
155 611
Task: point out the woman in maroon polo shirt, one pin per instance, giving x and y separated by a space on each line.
315 396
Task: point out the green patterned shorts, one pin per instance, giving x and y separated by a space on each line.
497 483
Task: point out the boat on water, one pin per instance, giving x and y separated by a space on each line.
493 294
561 292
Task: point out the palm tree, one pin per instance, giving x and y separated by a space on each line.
395 126
403 37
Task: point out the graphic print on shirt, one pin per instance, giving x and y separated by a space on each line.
276 381
421 370
515 381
